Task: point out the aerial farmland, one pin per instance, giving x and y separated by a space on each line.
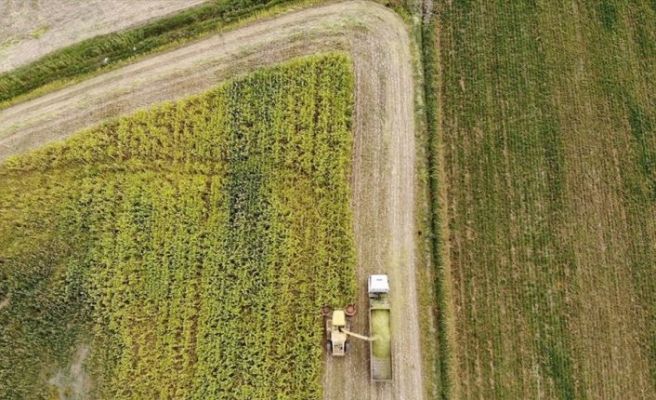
306 199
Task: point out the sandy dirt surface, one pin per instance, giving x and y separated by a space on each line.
5 302
73 383
30 29
384 151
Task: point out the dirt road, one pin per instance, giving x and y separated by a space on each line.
31 29
384 167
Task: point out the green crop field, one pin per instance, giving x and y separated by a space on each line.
548 138
187 248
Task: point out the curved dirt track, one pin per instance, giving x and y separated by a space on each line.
384 152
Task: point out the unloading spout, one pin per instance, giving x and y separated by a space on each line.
355 335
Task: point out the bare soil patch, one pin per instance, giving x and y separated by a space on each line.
384 150
74 383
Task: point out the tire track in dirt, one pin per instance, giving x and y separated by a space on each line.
384 149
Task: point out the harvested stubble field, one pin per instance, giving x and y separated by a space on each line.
183 243
549 151
31 29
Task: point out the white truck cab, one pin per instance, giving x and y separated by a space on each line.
378 284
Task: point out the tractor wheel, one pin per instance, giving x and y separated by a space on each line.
351 310
347 347
329 347
326 310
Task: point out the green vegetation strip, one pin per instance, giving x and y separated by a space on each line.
190 245
444 359
94 54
